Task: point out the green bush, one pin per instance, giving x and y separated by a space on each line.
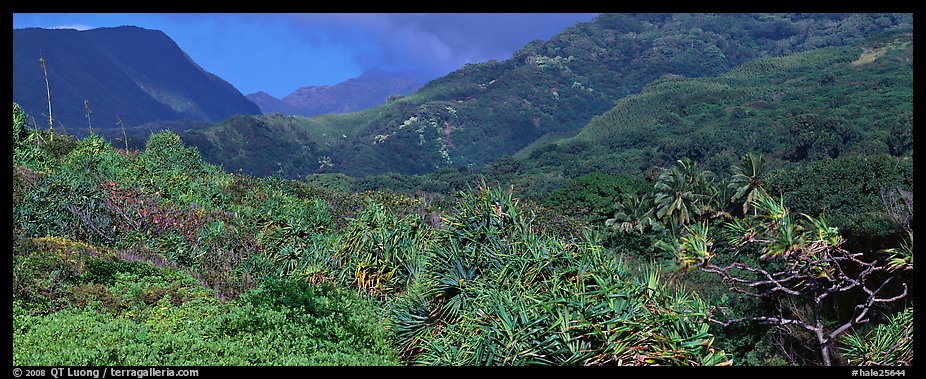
25 150
594 195
144 315
848 190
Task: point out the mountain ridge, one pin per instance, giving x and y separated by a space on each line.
125 73
371 88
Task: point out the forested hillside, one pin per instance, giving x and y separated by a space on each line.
821 119
485 111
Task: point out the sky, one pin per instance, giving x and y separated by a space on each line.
280 52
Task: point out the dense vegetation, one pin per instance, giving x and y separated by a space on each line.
815 147
174 261
808 106
485 111
762 216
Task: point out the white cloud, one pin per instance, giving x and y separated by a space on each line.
71 26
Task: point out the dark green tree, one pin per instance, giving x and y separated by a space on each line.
748 178
635 212
683 193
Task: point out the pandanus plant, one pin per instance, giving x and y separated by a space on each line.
382 251
496 292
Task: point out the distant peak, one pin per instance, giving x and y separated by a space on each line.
377 73
261 94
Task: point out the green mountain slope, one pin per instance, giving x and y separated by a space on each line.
851 100
834 125
484 111
128 73
268 144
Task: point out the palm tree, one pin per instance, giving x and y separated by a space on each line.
682 192
747 179
635 212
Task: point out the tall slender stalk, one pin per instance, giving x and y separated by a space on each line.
88 112
51 126
124 137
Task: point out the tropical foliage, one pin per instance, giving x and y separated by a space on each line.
497 293
889 344
747 179
169 260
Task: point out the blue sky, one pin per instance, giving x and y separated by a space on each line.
280 52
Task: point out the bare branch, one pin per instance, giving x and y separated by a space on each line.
767 321
777 283
898 204
895 298
865 307
753 294
814 271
